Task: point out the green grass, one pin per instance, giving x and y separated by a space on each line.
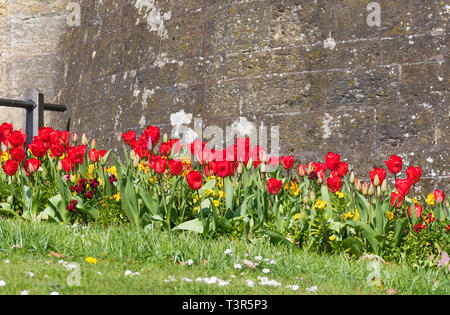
156 255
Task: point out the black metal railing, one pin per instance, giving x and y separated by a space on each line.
34 106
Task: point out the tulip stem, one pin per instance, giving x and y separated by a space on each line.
164 201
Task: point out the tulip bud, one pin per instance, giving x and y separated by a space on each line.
321 176
301 171
365 189
132 155
165 138
312 196
263 167
371 189
376 180
249 164
378 191
73 179
136 161
84 139
75 138
352 177
305 199
59 167
149 144
358 184
93 143
310 168
384 186
240 168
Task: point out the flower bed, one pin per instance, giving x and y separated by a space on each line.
237 192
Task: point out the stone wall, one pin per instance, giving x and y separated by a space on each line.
30 32
315 68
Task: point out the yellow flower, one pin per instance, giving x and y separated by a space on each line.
430 200
389 215
340 195
221 194
416 202
117 197
196 209
112 170
320 204
296 216
216 203
143 167
210 192
91 260
332 237
348 215
356 218
5 156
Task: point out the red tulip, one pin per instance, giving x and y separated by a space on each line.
10 167
334 184
160 166
175 167
302 170
165 149
332 160
274 161
223 168
419 210
64 137
394 164
378 171
342 169
94 155
18 154
31 166
414 174
76 154
152 133
17 139
439 196
38 148
274 186
67 165
57 149
287 162
403 186
129 137
5 130
194 180
396 200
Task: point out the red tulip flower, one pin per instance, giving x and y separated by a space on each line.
396 200
414 174
223 168
194 180
287 162
38 148
394 164
378 171
129 137
67 165
17 139
76 154
332 160
10 167
160 166
175 167
439 196
419 210
342 169
334 184
165 149
301 170
18 154
403 186
274 186
94 155
31 166
57 149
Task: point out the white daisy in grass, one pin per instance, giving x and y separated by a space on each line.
2 283
258 258
266 270
25 292
250 283
187 280
7 261
30 274
130 273
54 293
312 289
190 262
223 283
228 251
237 266
293 287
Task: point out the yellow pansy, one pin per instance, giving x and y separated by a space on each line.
216 203
91 260
340 195
5 156
390 215
320 204
296 216
348 215
430 200
332 238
